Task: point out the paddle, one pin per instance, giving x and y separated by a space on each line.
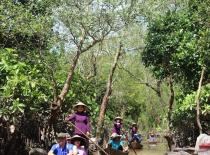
89 138
131 146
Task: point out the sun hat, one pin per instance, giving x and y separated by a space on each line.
80 104
118 118
77 137
115 135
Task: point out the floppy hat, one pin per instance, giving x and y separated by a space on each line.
115 135
118 118
77 137
134 124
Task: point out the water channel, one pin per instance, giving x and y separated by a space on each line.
159 149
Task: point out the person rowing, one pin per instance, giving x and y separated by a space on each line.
117 125
81 121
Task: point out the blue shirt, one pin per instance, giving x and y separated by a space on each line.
115 145
57 150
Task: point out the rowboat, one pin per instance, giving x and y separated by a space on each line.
136 145
111 151
152 142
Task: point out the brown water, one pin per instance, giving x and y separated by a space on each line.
159 149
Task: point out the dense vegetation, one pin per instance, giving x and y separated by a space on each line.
45 45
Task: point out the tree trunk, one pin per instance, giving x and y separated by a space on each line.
170 102
107 93
60 98
198 102
170 108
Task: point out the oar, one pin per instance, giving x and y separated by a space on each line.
89 138
131 146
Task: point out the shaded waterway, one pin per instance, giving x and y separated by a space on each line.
159 149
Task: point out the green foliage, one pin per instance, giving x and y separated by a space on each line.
187 109
178 45
21 27
23 84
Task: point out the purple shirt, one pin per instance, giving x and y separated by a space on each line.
81 121
117 128
134 130
81 151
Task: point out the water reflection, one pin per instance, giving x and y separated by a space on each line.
159 149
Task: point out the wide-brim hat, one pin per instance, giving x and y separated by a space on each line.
118 118
77 137
134 124
61 135
115 135
80 104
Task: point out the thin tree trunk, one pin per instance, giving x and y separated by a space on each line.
169 137
170 102
197 97
107 93
59 100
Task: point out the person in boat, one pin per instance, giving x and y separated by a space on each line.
115 142
79 143
152 137
81 120
62 147
134 133
117 125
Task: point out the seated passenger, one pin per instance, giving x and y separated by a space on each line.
62 147
152 137
134 133
79 143
115 142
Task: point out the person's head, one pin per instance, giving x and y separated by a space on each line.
80 107
12 128
37 151
78 141
61 139
118 119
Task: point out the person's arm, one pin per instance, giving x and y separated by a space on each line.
71 117
50 153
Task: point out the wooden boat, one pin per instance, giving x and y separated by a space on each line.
111 151
152 142
136 145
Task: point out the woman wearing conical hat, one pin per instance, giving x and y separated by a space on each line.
117 125
80 119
